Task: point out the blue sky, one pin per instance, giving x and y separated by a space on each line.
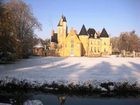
115 15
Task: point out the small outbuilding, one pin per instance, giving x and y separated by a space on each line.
39 50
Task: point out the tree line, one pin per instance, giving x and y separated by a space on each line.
128 41
17 25
17 37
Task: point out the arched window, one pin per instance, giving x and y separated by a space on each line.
98 49
94 49
72 41
104 49
91 49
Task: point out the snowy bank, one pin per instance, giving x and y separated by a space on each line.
72 70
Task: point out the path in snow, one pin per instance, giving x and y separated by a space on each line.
73 69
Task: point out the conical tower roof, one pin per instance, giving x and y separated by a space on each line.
83 30
62 19
104 33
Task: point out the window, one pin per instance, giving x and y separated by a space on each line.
72 45
98 49
91 49
72 42
94 49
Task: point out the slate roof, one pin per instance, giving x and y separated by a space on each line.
59 24
54 38
83 30
104 33
91 32
64 20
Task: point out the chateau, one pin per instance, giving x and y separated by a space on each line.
86 43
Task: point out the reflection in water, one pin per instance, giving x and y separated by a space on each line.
62 99
49 99
33 102
17 98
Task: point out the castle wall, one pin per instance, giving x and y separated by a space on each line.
72 45
59 32
84 46
106 46
94 48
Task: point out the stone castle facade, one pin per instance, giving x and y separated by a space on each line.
86 43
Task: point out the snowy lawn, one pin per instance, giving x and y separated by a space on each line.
73 69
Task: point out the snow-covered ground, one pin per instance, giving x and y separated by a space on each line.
73 69
4 104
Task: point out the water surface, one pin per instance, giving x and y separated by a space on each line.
51 99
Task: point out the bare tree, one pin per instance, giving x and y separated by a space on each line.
124 41
134 41
114 41
7 41
23 23
17 25
128 41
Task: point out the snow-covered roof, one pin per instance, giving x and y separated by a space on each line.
39 45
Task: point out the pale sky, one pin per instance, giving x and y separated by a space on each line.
115 15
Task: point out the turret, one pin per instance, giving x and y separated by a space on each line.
106 46
104 33
62 29
83 35
83 31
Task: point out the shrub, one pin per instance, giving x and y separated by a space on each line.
7 57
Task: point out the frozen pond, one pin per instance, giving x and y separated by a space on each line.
50 99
